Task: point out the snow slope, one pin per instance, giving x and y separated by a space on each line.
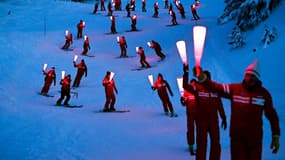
33 128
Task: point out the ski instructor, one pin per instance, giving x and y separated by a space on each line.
249 100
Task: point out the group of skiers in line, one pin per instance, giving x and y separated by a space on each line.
249 100
69 38
130 6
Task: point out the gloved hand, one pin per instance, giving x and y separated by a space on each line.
185 68
275 144
152 88
182 101
224 123
116 91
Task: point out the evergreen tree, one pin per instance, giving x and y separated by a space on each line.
247 13
236 38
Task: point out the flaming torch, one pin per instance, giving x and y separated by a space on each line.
181 46
180 85
75 58
118 39
62 74
112 75
199 35
149 44
45 66
150 78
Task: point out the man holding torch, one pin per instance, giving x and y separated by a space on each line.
50 77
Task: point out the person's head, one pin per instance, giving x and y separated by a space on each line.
159 76
53 68
208 74
82 61
252 76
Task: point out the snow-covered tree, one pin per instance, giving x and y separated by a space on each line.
236 38
247 13
269 35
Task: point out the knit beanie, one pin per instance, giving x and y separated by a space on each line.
253 69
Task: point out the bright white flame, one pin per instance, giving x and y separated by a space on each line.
149 44
83 24
85 37
118 38
150 78
111 18
45 66
75 58
66 32
199 35
137 49
181 46
62 74
112 75
180 85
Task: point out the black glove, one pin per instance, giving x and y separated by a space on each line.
224 123
182 101
275 144
152 88
185 68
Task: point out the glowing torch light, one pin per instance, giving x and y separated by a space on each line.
111 18
66 32
118 38
199 35
75 58
112 75
150 78
85 37
180 85
181 46
62 74
137 49
83 24
45 66
149 44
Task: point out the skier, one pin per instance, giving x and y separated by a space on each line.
143 5
188 100
249 100
113 24
208 105
65 91
81 70
166 6
143 61
181 9
50 77
123 45
162 86
134 23
128 9
156 46
133 5
194 12
68 40
170 8
155 7
86 45
110 10
173 15
110 87
118 4
102 5
80 27
96 7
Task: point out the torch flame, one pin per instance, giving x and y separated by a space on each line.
150 78
62 74
199 34
75 58
180 85
181 46
112 75
45 66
